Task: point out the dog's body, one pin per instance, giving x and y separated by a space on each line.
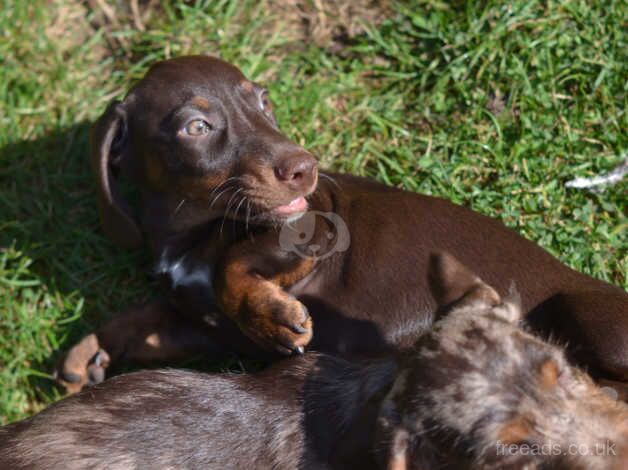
363 300
200 143
476 391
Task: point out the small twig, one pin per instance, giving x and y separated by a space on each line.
148 10
137 18
109 12
111 17
609 179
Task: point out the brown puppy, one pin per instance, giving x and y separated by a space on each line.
200 143
475 392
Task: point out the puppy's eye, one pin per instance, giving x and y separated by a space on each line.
197 127
265 103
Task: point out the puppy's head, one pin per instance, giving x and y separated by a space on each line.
479 391
197 135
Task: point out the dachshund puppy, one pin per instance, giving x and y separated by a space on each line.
257 250
476 391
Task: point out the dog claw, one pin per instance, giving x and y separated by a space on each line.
96 370
98 359
298 329
95 374
69 377
283 350
299 350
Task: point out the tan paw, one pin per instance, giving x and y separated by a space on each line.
280 323
84 364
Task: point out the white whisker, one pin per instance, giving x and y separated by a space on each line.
237 209
248 215
219 196
329 178
179 206
224 217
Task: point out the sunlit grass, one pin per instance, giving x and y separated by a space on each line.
492 105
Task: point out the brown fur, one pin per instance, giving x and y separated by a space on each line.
454 401
548 374
200 102
515 431
364 298
478 398
262 308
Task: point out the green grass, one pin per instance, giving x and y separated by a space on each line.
492 105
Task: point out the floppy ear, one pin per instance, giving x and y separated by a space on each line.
450 282
107 141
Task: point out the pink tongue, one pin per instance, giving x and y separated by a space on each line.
297 205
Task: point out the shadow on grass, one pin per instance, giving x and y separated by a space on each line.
48 214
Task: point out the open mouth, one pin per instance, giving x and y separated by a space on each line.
296 206
252 205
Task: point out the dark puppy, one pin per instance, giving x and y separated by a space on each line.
201 144
475 392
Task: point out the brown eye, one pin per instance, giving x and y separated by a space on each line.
265 103
197 127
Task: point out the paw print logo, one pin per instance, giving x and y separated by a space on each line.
315 235
611 392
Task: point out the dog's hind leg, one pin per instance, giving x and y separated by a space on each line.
594 325
152 332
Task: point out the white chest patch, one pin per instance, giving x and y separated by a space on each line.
184 271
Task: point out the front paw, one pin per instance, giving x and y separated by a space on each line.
83 365
280 323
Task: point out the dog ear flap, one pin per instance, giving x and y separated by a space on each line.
450 281
107 141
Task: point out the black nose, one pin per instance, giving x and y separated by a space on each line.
297 171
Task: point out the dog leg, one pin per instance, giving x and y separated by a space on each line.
152 332
594 324
249 289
